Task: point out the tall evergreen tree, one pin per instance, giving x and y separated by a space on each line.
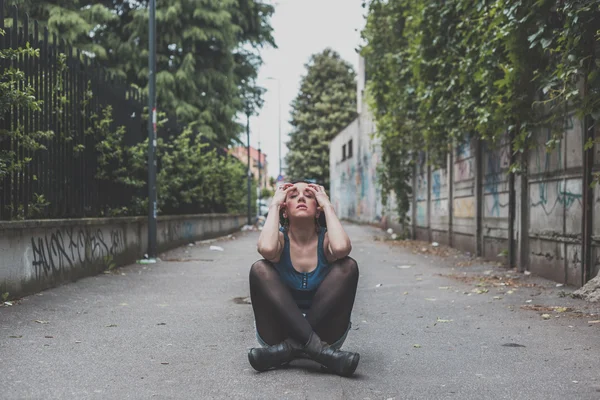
325 105
73 21
207 51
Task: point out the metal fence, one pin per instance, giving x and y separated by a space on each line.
64 173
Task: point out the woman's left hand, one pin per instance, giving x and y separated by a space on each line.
320 194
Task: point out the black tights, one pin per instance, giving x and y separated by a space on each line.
278 317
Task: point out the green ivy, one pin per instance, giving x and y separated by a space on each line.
442 73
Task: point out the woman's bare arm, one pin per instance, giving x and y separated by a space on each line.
270 241
336 242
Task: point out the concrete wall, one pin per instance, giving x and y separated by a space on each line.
466 204
37 255
354 188
548 217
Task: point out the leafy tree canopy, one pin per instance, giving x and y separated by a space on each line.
207 52
324 106
443 72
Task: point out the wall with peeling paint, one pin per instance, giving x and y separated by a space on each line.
354 188
37 255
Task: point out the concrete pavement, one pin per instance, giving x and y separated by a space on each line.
425 328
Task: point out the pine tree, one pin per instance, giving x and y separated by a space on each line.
207 52
73 21
325 105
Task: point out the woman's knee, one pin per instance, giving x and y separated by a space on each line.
262 269
347 267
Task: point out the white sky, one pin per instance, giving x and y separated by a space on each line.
301 28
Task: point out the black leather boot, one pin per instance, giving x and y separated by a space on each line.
340 362
264 358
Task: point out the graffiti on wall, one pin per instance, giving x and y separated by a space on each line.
463 166
177 230
354 184
559 193
498 162
68 247
464 207
439 197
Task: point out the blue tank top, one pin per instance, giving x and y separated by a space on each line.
303 285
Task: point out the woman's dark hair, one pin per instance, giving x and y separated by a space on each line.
321 221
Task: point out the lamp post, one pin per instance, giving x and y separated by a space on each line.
249 173
279 117
259 186
152 207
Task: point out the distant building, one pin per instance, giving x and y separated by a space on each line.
241 153
354 155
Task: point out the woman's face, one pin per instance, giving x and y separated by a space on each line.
301 202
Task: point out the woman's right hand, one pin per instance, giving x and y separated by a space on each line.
281 194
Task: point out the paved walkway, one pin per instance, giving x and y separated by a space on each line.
423 327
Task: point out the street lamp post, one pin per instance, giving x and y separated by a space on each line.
279 116
152 207
249 173
259 186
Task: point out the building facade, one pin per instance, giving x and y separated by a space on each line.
354 155
257 160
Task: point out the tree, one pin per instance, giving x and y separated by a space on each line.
71 20
325 105
207 52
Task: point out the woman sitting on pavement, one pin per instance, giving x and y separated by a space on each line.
303 290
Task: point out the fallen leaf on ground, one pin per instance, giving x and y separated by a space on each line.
49 337
41 322
546 316
444 287
111 326
444 320
497 297
429 298
15 336
417 346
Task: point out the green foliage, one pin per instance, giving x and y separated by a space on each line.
266 193
325 105
207 52
15 92
441 73
192 178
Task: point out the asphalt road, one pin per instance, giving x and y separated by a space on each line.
425 328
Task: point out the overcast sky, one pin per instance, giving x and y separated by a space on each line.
301 28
